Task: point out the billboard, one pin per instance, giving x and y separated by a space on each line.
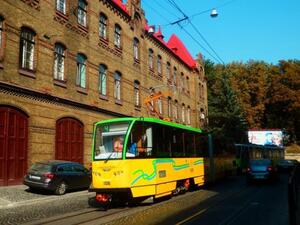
266 137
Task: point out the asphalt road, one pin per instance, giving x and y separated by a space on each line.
228 202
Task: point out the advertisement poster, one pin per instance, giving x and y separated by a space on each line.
265 137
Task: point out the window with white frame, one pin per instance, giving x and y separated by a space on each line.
61 6
168 71
183 113
169 107
59 62
117 85
102 79
81 71
159 65
150 58
137 93
136 49
27 49
117 40
82 12
188 115
102 26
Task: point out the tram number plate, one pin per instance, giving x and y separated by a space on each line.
162 173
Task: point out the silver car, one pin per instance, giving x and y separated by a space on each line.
261 169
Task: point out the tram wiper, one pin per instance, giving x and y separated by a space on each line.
108 157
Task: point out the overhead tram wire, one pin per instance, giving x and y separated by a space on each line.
171 13
187 34
173 3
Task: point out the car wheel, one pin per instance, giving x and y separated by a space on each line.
61 188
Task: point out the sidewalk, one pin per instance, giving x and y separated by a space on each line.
18 195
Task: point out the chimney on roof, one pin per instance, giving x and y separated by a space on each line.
159 34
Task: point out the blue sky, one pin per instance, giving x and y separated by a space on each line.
267 30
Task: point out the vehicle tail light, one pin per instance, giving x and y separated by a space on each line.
49 175
248 169
270 168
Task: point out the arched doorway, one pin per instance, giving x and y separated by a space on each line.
69 140
13 145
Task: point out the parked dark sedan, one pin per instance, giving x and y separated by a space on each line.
286 165
261 169
58 176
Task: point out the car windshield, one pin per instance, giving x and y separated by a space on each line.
109 140
41 167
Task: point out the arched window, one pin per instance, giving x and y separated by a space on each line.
168 71
27 49
117 40
175 110
182 82
103 26
61 6
82 12
188 115
188 84
1 32
159 71
159 105
137 93
136 49
117 85
150 58
102 79
183 113
169 107
59 62
175 76
81 70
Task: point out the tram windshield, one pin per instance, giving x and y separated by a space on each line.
109 140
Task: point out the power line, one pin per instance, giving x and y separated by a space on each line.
173 3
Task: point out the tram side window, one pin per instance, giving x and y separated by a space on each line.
162 141
189 144
201 141
141 140
177 143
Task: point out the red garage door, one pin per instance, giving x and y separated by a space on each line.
13 145
69 140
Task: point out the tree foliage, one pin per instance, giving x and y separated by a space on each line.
255 93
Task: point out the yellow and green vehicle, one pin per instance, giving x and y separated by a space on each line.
135 158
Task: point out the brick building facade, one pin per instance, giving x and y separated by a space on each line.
66 64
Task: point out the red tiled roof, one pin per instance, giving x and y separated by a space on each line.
180 50
176 46
121 5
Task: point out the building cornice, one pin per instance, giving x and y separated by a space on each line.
49 98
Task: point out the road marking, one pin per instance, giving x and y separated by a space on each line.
191 217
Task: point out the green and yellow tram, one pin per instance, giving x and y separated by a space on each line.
134 158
